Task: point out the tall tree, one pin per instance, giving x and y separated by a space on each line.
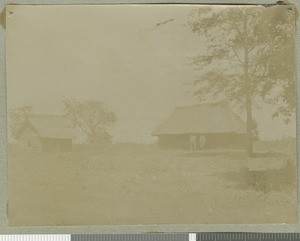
249 56
16 118
91 117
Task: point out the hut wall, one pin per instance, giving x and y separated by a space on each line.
213 141
226 140
56 144
29 140
174 141
65 145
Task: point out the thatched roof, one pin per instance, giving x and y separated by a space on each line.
203 118
49 126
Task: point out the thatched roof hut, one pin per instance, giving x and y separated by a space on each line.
46 132
215 123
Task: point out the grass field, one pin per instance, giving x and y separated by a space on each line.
139 184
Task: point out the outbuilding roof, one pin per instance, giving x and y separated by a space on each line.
49 126
202 118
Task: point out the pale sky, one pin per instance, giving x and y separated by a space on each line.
122 55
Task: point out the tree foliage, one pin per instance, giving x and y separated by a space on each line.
267 34
248 57
91 117
17 117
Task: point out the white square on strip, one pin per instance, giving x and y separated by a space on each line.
192 236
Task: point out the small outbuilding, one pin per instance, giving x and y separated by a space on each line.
203 126
46 133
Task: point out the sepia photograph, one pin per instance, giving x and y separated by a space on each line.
151 114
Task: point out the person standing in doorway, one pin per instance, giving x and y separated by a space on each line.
193 142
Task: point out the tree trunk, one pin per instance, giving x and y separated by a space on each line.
248 94
249 125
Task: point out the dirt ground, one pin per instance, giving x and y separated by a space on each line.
139 184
